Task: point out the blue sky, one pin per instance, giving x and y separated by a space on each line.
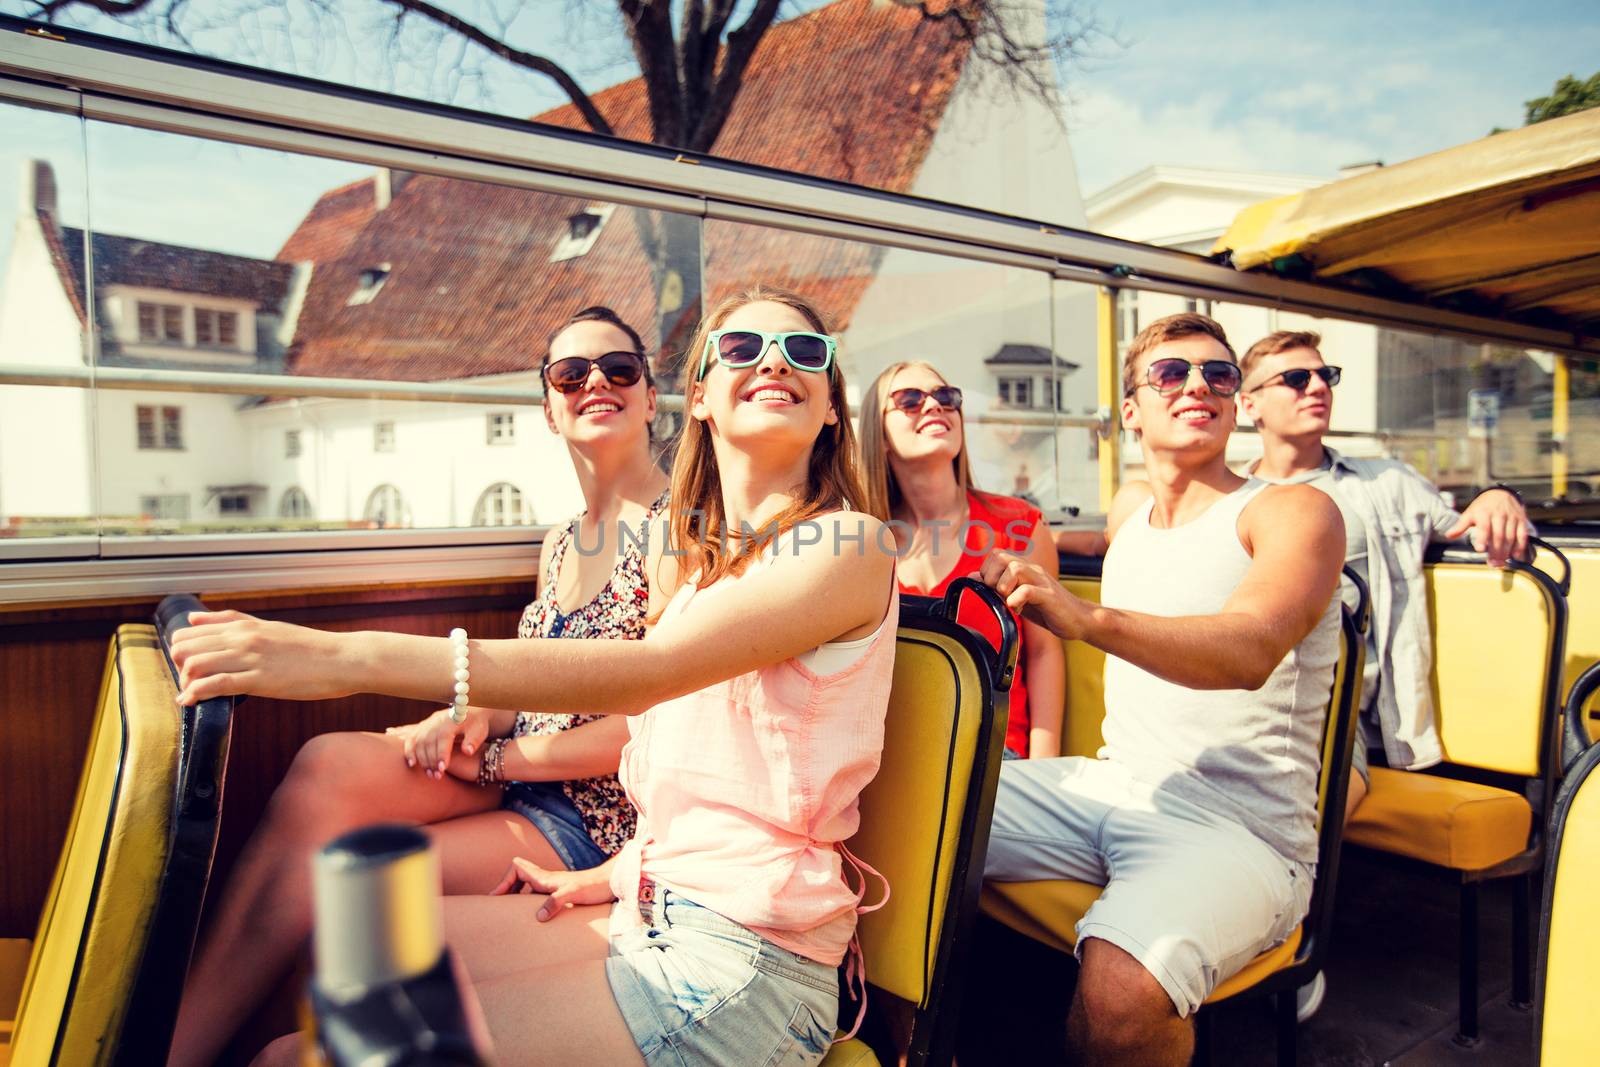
1289 86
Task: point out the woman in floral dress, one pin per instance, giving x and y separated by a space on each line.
563 807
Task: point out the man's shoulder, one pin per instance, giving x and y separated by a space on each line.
1297 511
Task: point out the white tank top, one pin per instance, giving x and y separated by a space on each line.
1249 756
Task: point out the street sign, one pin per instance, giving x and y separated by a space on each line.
1483 412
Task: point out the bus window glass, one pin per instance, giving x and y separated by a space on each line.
47 452
211 266
1465 413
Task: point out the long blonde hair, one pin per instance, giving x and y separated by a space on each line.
883 492
699 527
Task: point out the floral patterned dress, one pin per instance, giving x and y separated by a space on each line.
617 612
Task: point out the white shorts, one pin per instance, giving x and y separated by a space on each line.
1191 895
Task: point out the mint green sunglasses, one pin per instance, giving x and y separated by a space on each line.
743 348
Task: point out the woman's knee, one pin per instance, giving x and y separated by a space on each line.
326 777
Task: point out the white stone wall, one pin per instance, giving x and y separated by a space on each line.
441 462
46 460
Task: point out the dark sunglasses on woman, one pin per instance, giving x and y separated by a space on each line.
570 374
910 400
1168 376
1300 377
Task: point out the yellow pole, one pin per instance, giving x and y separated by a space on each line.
1561 387
1109 376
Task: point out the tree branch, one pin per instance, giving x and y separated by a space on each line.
505 51
735 60
650 28
48 9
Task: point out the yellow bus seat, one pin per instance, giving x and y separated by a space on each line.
1465 826
106 965
1048 911
1568 1029
1498 640
1583 622
1086 676
925 824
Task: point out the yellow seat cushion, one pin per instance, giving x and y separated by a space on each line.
1048 912
1461 825
852 1053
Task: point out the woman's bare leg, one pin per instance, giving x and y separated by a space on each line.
542 985
338 782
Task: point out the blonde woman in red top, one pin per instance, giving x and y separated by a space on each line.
758 703
914 458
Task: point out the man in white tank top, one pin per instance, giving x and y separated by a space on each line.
1221 630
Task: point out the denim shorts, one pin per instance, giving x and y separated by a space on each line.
547 806
698 989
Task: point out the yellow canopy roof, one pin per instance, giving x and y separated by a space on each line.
1507 225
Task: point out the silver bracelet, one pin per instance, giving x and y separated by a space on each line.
460 653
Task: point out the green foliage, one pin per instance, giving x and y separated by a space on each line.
1569 95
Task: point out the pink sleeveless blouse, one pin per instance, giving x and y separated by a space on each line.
758 779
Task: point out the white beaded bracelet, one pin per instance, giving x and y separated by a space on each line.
460 653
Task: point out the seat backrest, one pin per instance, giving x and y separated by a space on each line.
118 926
92 932
1333 781
925 818
1498 642
1583 616
1569 938
1086 679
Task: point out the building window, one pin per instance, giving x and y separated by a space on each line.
162 323
383 437
171 507
583 229
1017 392
291 444
233 503
216 329
160 428
502 427
295 504
386 507
501 505
369 284
1197 306
1127 317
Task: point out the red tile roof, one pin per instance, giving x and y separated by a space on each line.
852 91
333 223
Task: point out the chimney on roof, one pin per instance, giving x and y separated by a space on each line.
38 193
386 185
1350 170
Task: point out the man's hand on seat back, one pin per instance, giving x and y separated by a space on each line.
1034 594
1499 526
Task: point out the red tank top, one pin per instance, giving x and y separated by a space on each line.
993 522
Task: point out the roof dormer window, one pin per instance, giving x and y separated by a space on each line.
583 229
369 284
